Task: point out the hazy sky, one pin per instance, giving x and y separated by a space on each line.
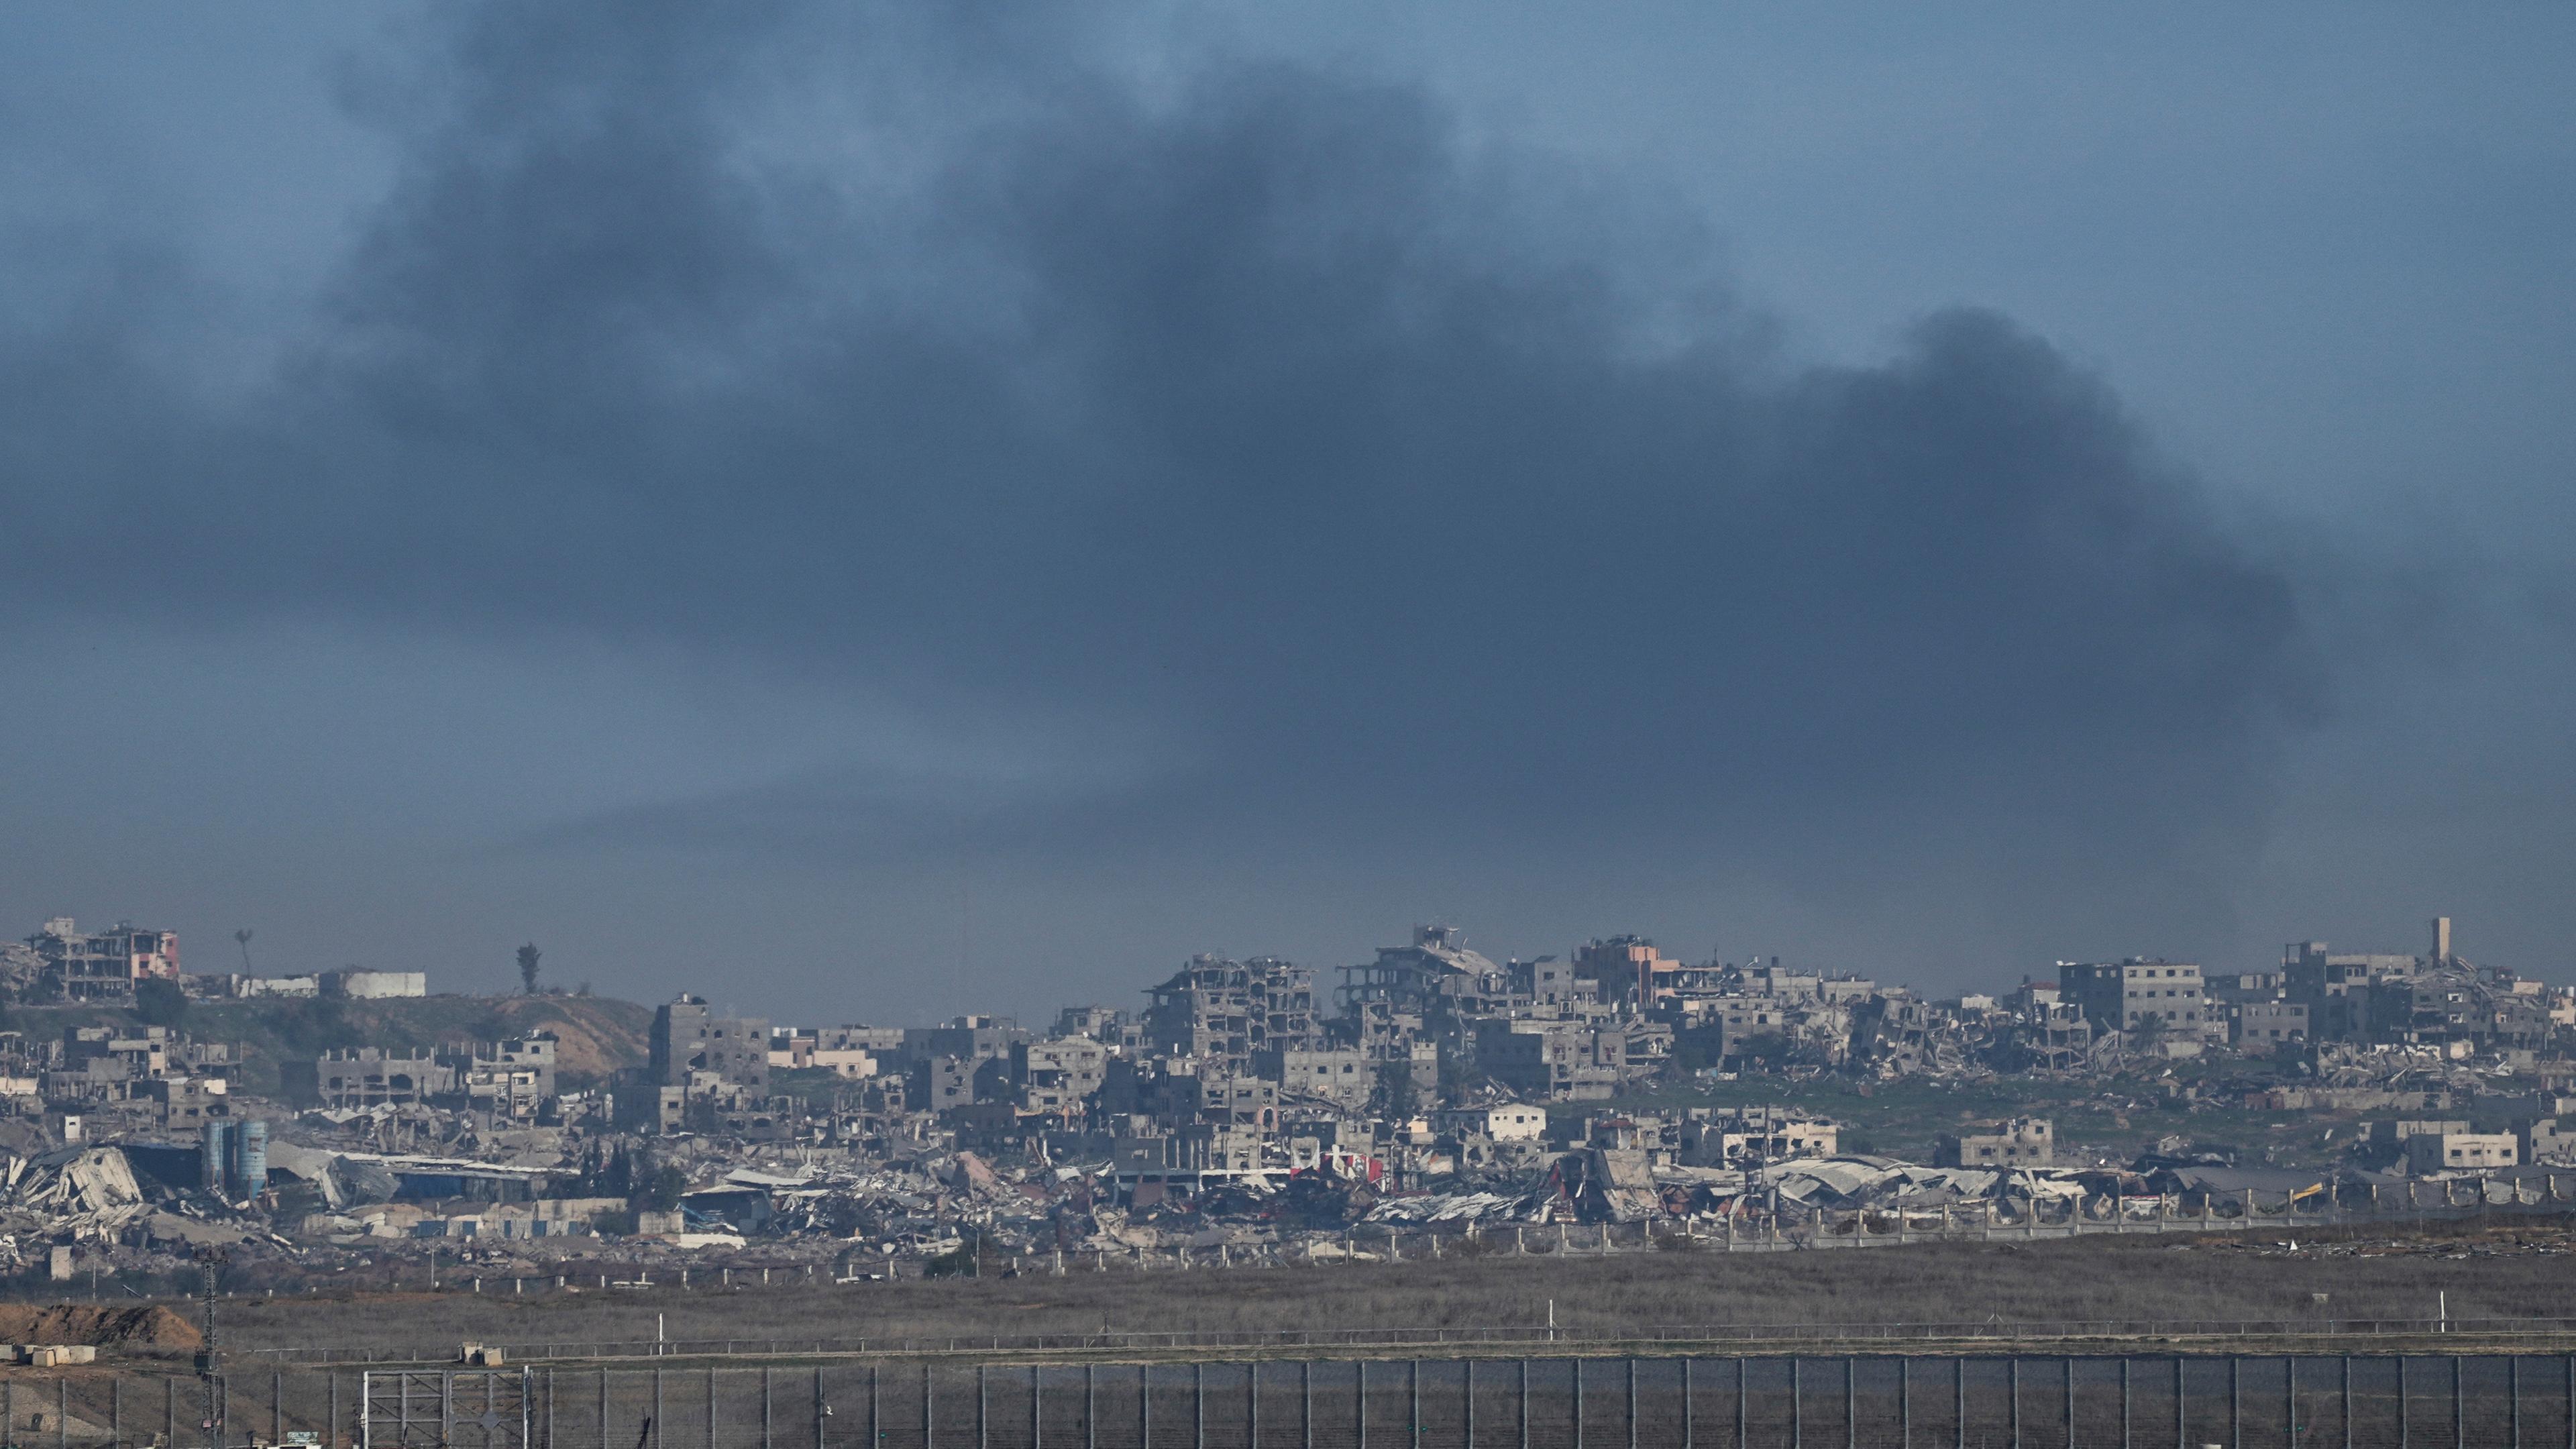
872 513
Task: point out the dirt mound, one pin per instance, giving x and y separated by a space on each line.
592 1034
147 1329
595 1035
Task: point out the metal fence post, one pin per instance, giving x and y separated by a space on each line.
1144 1406
1959 1403
1797 1416
2344 1380
2235 1398
2458 1420
1252 1403
711 1406
1904 1402
1198 1406
929 1429
1090 1403
2513 1400
1359 1400
2401 1394
1413 1397
1632 1406
2124 1402
2012 1395
1037 1406
2182 1432
657 1410
1524 1408
1578 1405
2070 1401
1851 1402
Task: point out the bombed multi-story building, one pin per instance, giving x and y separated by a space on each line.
103 965
368 1077
2433 999
1341 1078
2021 1142
688 1038
1434 976
1224 1013
1056 1078
1628 969
973 1039
1553 1060
2140 995
2335 986
508 1078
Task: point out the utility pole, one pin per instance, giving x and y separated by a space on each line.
210 1263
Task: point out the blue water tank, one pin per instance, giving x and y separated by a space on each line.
212 1159
250 1159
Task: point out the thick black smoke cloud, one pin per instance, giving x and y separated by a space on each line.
1394 495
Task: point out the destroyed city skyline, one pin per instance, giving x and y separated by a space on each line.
841 724
345 1132
916 511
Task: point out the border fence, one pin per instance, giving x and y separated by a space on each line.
1887 1401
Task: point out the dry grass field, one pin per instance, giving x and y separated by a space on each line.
2525 1271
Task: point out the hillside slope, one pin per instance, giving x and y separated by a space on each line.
598 1034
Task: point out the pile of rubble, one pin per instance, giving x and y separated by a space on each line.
83 1194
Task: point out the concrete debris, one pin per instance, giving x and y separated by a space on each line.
1463 1207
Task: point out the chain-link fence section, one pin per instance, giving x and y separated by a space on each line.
1843 1402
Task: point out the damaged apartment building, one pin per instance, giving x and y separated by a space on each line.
701 1070
2434 999
102 966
